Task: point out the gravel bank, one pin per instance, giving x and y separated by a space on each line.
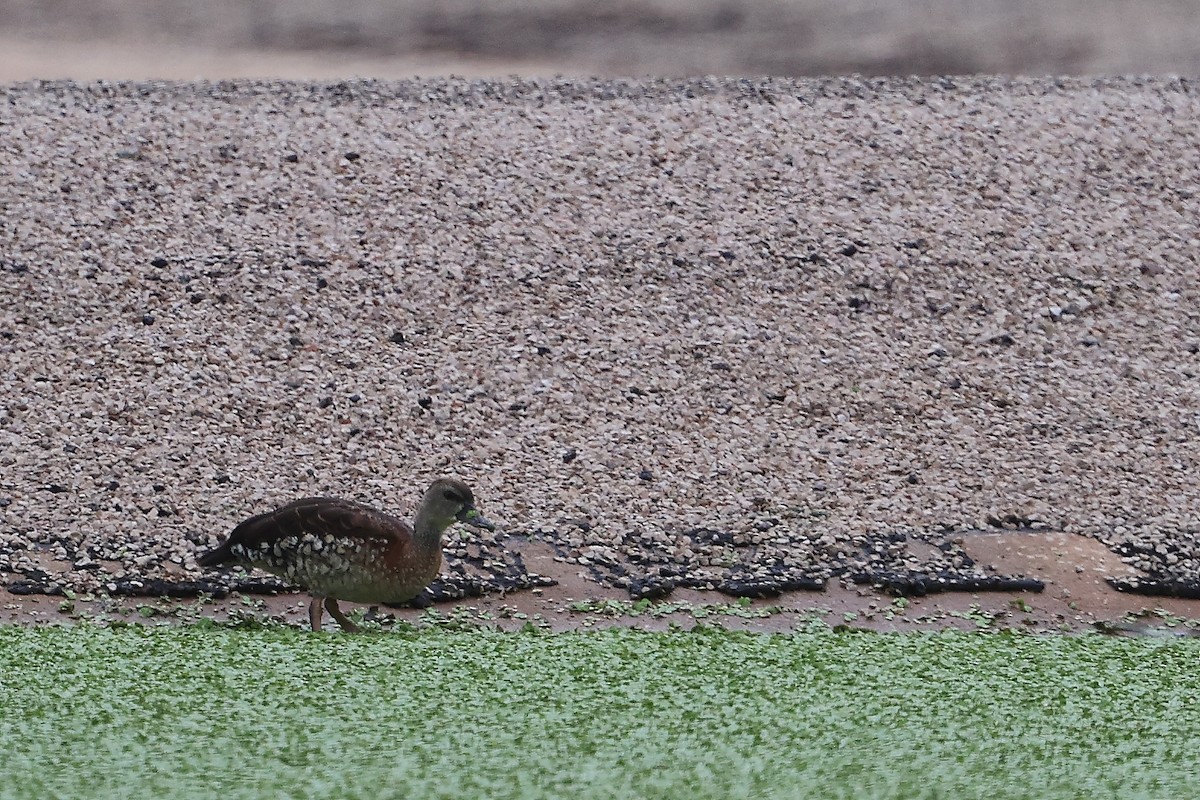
742 335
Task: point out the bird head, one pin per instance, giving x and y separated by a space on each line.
449 500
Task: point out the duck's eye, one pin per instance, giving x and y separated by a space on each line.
452 496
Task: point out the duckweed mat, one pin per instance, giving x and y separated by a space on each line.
133 711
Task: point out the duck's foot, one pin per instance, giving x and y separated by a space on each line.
331 606
314 613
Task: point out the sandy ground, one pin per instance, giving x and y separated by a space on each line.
714 336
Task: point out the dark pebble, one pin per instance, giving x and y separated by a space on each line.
261 586
157 588
921 585
147 319
749 587
650 588
325 402
1153 588
34 587
569 455
710 536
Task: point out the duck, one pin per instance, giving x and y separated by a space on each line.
344 550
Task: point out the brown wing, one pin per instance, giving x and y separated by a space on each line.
324 516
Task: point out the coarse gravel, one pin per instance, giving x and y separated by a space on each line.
735 334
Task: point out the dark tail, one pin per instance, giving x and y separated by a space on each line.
214 558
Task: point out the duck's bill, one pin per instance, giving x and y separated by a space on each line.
470 516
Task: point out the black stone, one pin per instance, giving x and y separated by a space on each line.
650 588
147 319
325 402
710 536
1157 588
749 587
799 584
261 586
34 587
159 588
909 585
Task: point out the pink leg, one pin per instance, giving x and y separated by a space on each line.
331 606
314 613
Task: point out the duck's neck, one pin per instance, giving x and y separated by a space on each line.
427 530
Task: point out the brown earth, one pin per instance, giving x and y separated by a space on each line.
1076 598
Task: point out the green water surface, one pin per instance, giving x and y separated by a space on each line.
140 712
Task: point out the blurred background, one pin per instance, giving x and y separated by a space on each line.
321 39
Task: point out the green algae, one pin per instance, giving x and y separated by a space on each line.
123 711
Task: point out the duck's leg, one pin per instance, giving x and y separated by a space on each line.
314 613
332 607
